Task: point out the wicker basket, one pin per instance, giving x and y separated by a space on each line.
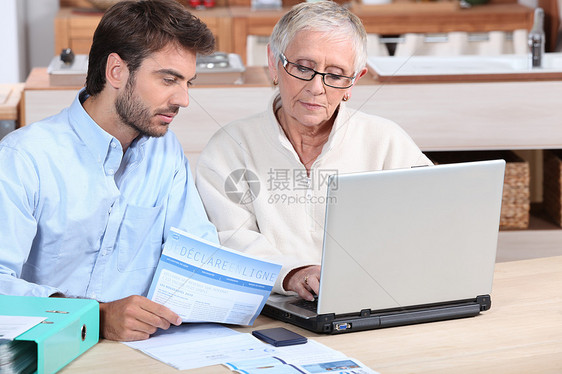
552 184
516 196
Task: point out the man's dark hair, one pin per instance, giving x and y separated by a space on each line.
136 29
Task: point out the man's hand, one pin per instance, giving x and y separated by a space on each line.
134 318
304 281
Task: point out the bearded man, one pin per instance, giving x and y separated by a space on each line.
88 195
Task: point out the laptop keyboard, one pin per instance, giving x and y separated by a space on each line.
308 305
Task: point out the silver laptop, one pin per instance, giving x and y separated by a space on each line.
404 246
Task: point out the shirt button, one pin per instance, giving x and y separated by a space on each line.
111 172
113 145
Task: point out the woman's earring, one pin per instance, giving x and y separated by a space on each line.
346 97
275 81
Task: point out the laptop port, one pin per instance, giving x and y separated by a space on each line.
342 326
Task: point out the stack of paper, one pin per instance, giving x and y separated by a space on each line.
17 356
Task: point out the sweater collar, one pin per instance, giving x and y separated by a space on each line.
336 135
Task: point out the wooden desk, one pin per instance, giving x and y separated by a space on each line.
521 333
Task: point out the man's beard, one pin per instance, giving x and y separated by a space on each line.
135 114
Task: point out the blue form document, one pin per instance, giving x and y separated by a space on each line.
203 282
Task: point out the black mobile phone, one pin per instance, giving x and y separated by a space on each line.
279 336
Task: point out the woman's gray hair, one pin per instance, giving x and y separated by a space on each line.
325 16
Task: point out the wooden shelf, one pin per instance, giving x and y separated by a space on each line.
233 24
74 28
232 21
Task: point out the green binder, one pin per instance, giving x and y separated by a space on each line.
71 327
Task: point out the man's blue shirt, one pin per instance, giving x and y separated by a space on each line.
80 217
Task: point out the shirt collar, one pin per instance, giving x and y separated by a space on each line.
96 139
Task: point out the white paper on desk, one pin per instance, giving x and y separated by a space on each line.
272 365
203 282
184 333
312 357
13 326
310 352
345 366
208 352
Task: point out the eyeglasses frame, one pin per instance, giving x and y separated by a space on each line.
285 61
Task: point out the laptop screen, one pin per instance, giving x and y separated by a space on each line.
398 238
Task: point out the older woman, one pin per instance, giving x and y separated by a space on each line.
263 179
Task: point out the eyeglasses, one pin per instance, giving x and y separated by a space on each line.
308 74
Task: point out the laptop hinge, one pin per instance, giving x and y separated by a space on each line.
485 302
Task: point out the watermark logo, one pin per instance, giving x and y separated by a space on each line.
242 186
282 186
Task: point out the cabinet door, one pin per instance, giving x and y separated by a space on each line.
75 28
